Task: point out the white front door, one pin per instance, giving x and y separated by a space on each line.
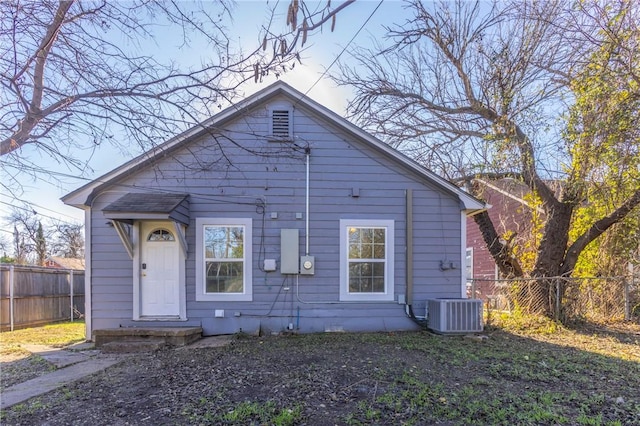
159 270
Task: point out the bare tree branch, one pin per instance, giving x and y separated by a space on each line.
72 73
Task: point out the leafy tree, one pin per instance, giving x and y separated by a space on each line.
477 89
604 128
40 245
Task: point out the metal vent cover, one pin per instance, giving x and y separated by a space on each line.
455 315
281 123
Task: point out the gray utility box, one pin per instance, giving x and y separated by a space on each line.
289 251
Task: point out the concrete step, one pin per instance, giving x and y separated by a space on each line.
134 346
170 336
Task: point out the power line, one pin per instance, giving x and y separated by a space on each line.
31 210
45 208
344 48
32 204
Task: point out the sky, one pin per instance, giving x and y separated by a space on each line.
356 25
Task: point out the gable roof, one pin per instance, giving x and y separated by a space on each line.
82 197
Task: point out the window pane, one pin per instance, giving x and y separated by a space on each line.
378 285
354 251
378 270
160 235
366 251
355 277
378 251
354 285
379 240
224 242
354 236
366 277
224 277
367 238
354 243
367 243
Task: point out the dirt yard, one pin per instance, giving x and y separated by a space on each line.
565 377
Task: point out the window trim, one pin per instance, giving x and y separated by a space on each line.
247 269
388 294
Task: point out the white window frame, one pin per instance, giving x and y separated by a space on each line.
247 271
388 294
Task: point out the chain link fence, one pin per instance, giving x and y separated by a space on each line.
599 299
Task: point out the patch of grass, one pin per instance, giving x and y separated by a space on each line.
412 401
244 413
519 322
610 340
29 407
523 379
57 335
262 413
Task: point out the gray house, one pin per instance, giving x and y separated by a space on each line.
275 214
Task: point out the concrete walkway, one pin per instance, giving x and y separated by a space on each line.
40 385
74 363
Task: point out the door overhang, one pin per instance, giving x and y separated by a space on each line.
143 206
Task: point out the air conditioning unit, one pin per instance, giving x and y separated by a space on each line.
450 316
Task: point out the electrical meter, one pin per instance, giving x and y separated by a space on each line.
307 265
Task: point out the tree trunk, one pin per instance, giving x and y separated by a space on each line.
508 265
542 293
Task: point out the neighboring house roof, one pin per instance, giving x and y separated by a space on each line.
66 262
82 197
510 188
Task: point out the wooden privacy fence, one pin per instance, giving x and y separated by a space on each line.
31 296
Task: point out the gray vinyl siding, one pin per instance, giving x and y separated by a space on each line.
338 163
111 270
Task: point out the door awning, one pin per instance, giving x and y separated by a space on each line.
149 206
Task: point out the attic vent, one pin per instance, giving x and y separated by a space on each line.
455 315
281 124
